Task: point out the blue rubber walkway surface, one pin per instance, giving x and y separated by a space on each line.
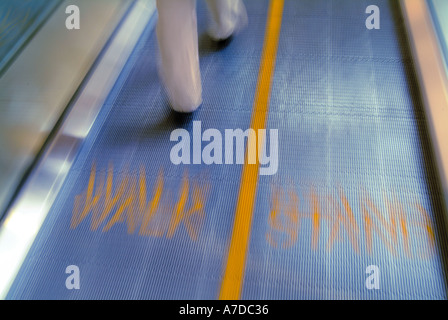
355 185
18 21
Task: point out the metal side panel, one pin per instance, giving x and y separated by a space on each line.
25 218
433 80
42 78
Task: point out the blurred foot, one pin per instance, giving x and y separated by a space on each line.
185 108
183 89
222 43
228 20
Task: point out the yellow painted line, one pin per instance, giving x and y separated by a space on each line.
233 276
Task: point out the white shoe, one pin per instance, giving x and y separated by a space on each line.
185 108
229 17
183 95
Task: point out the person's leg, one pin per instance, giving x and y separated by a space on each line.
177 36
228 17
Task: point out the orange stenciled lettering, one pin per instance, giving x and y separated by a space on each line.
316 218
126 207
283 218
109 201
90 203
129 205
152 207
186 216
426 224
395 209
274 220
387 231
348 222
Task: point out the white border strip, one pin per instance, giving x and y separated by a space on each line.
28 213
432 78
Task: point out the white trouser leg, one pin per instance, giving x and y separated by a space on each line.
177 36
228 17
